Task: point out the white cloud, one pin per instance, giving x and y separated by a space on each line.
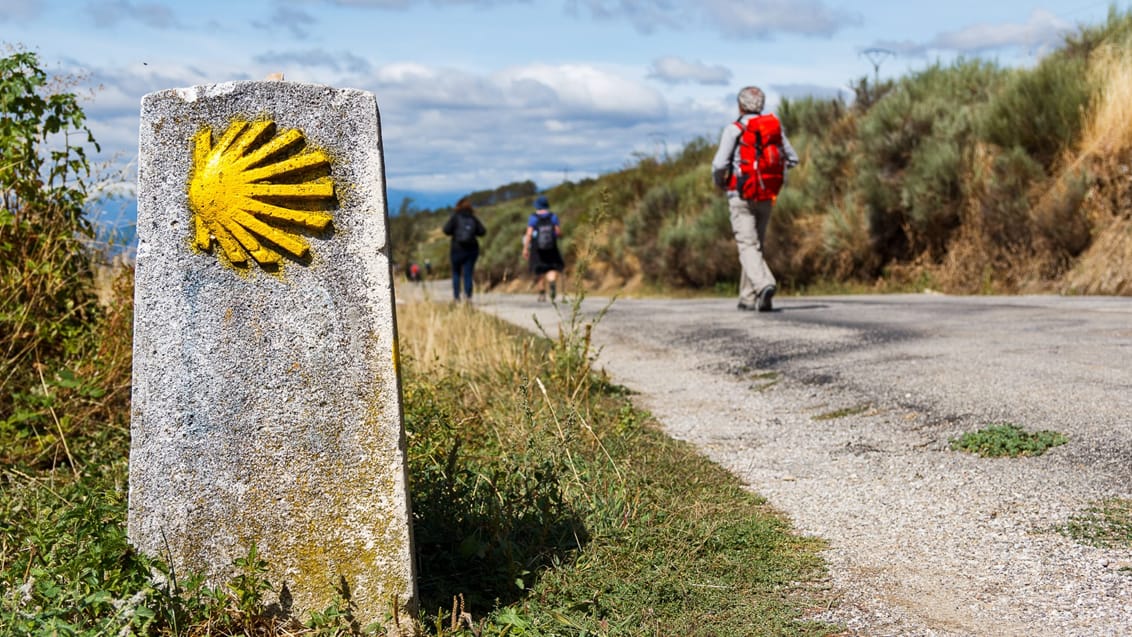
109 13
448 129
20 10
1042 31
585 91
405 4
674 70
763 19
645 15
404 72
296 21
740 19
314 58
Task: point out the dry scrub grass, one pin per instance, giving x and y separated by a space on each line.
1106 152
440 339
1108 129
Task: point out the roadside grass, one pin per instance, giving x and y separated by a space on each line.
545 504
1105 523
1007 440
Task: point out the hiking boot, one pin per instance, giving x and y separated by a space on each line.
764 300
553 291
541 296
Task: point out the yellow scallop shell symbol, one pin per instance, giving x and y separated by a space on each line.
252 190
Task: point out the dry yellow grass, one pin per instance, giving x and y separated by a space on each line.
1106 153
442 336
1108 128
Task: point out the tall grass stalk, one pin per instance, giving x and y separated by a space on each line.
1107 132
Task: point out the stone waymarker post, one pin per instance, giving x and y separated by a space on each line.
266 395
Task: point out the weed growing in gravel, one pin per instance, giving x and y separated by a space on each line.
764 380
844 412
1107 523
1007 440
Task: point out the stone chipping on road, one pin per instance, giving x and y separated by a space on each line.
840 410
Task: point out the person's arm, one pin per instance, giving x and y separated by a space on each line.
788 150
527 242
481 229
721 163
449 226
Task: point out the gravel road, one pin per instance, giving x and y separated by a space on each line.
922 540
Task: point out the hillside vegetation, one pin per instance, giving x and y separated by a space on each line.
966 178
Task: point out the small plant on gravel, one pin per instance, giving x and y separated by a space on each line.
1007 440
764 380
1106 523
844 412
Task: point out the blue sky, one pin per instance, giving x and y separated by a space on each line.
474 94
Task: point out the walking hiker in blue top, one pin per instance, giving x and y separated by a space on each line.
463 226
540 246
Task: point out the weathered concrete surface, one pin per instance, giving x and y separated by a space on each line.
266 404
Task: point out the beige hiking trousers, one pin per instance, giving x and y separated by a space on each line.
749 220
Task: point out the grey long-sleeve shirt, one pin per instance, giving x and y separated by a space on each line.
726 160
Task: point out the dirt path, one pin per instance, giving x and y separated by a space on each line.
840 410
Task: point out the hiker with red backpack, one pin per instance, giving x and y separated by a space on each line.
751 165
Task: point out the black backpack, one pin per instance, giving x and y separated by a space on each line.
465 232
544 232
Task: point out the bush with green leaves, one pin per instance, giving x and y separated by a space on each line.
915 144
1040 110
47 307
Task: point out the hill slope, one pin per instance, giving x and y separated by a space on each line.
965 178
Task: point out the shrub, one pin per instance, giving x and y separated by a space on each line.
810 115
1040 110
698 252
914 143
48 312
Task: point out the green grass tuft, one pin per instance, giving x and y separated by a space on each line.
844 412
1007 440
1106 523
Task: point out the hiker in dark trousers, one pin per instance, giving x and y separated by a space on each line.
463 226
540 246
751 206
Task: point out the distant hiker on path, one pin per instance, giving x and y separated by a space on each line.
750 165
540 246
463 226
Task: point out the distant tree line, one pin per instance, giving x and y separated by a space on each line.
508 192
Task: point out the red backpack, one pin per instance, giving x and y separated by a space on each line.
762 167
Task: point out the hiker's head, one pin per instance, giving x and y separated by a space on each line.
464 205
751 100
542 203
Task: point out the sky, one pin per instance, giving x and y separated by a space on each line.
474 94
